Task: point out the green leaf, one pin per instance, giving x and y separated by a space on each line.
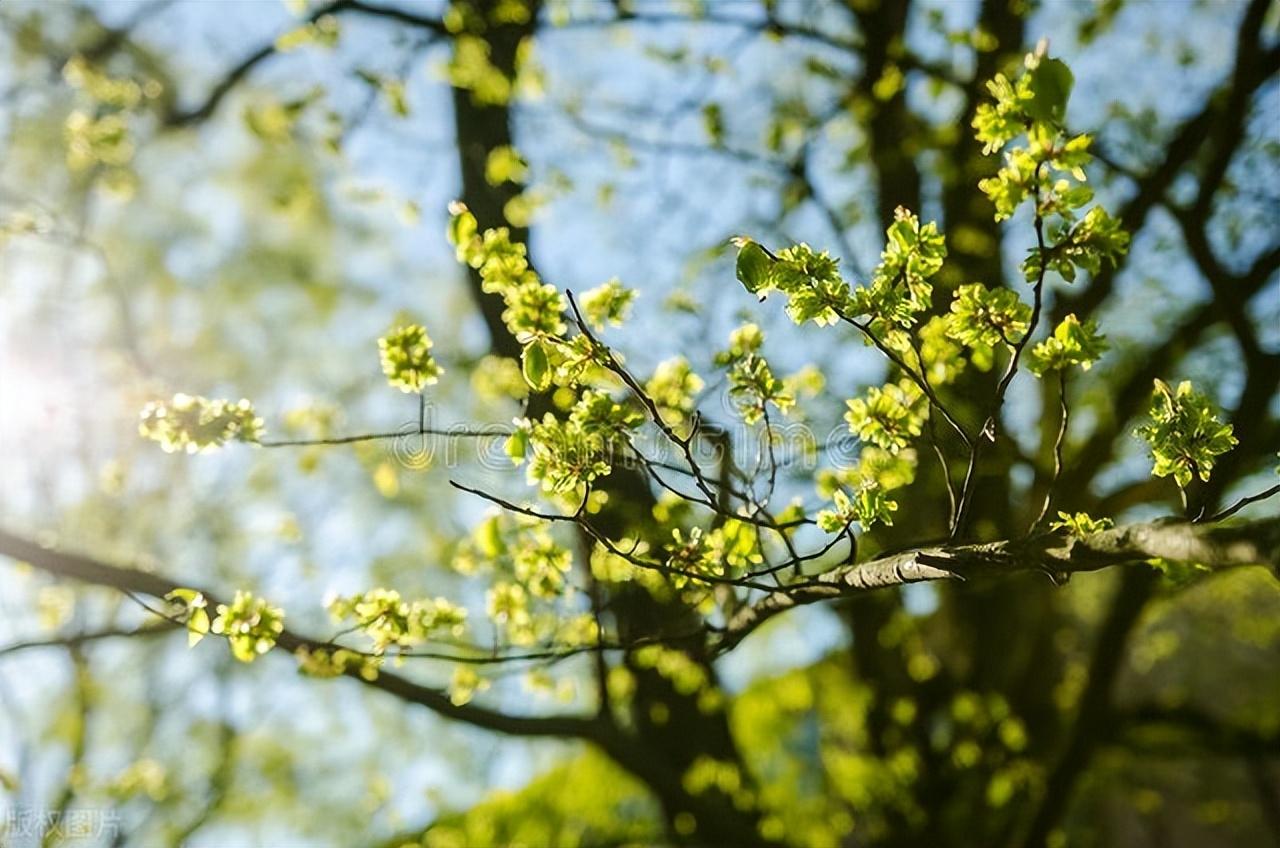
1184 433
249 624
1051 84
387 619
752 383
868 506
535 366
197 626
517 445
811 281
462 230
754 264
713 121
505 165
488 537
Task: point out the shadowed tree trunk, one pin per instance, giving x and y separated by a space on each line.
670 731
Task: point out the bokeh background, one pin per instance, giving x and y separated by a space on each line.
260 250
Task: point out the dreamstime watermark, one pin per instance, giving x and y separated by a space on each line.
796 446
32 825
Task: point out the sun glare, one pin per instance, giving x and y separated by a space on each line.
32 397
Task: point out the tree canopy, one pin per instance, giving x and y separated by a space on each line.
557 423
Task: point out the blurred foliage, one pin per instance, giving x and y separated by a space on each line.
174 231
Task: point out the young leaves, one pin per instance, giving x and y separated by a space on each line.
899 290
388 620
673 388
888 417
901 285
866 507
983 318
1038 96
571 453
1081 524
1072 343
1184 434
752 383
196 424
809 279
1096 239
249 624
1048 170
913 253
505 165
718 552
607 304
197 613
406 359
877 473
534 309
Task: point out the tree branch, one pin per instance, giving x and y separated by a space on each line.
1055 555
234 76
89 570
76 640
1133 391
1220 119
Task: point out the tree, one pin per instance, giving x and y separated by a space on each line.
640 538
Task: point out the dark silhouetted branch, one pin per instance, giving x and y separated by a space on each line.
1054 555
129 580
237 74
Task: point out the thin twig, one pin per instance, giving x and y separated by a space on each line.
934 400
1244 502
450 432
611 362
988 431
1064 412
662 568
76 640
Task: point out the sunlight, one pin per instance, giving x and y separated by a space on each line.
773 423
32 395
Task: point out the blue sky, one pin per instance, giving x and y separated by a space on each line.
60 366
